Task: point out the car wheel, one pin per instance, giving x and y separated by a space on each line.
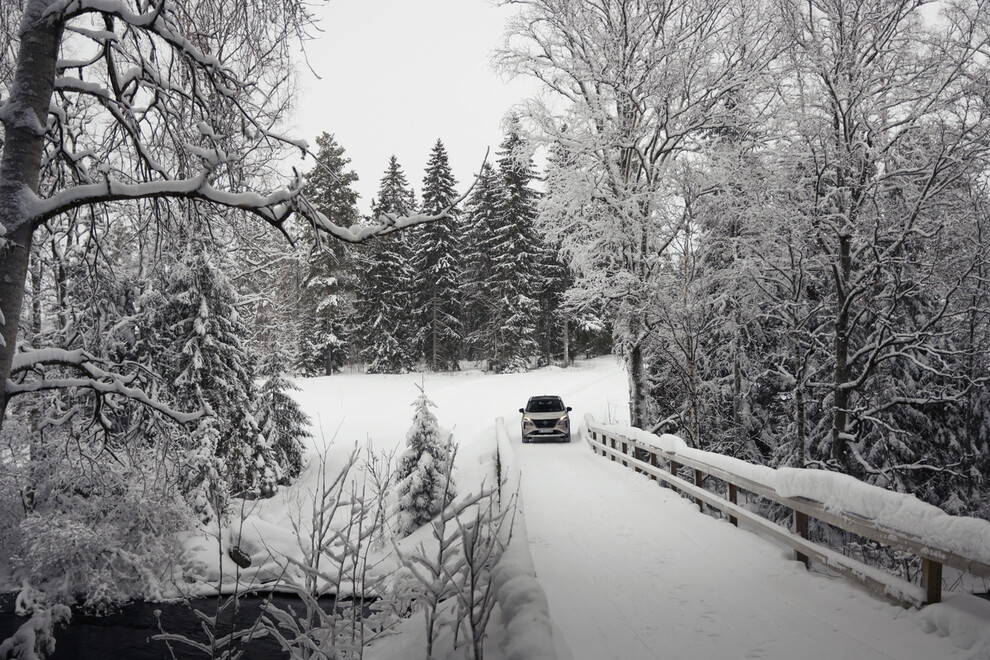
525 440
567 438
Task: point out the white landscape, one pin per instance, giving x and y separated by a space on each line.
277 277
630 570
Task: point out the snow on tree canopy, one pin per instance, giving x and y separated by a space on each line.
425 484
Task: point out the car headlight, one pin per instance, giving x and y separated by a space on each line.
527 421
565 421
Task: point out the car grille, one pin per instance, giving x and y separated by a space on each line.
545 423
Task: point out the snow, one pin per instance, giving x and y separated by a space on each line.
623 568
841 493
523 604
966 536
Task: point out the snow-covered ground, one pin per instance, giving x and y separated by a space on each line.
631 570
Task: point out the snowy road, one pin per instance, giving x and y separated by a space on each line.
633 571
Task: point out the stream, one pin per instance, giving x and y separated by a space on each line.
126 633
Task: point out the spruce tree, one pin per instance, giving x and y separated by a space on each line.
437 267
328 285
478 281
280 418
516 252
212 365
384 307
555 277
425 485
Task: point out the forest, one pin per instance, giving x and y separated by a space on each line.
772 211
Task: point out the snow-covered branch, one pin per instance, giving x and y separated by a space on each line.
92 377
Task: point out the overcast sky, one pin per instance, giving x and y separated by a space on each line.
397 75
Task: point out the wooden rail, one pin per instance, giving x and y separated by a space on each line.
620 448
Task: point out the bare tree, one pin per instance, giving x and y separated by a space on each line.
154 100
892 121
634 83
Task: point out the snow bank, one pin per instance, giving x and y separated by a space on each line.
963 619
837 492
522 602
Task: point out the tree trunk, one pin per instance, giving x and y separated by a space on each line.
799 410
36 280
20 167
637 383
567 345
840 393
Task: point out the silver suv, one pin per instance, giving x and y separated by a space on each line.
545 417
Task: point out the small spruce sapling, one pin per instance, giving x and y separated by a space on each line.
281 419
425 483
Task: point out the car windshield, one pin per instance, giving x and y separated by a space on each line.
545 405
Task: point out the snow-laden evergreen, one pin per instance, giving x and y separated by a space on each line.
384 309
478 291
280 418
516 251
437 265
327 296
213 367
425 484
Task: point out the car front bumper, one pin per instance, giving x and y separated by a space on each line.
546 434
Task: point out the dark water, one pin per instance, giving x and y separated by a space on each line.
127 633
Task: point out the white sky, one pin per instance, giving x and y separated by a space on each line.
397 75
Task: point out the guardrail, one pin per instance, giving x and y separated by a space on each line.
663 457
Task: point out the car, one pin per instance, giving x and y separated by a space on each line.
545 418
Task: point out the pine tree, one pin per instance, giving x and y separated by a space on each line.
437 265
425 484
478 280
280 418
384 307
516 251
328 285
212 365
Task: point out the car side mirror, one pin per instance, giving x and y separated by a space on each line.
521 410
569 409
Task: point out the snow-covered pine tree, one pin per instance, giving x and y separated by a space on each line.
437 265
516 249
478 281
327 297
554 277
212 365
384 308
425 483
281 420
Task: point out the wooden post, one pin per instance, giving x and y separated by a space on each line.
801 529
732 498
625 451
673 470
931 580
655 462
699 478
612 456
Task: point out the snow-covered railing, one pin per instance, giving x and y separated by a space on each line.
523 604
894 519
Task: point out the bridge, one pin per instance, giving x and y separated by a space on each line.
631 569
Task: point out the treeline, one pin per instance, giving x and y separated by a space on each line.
482 286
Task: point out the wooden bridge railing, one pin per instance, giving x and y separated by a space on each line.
665 464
